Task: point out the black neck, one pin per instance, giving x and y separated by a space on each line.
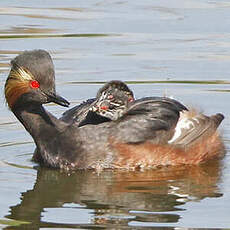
41 125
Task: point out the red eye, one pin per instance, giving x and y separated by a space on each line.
34 84
110 97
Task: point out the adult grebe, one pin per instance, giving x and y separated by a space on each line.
151 132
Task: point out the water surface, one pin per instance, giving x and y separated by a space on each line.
176 48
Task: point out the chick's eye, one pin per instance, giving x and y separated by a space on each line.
34 84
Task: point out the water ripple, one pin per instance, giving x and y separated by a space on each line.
49 13
209 82
7 144
14 36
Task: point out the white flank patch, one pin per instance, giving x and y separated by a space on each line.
183 124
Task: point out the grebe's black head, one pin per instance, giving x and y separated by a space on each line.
32 80
112 100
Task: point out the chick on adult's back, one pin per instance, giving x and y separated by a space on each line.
146 135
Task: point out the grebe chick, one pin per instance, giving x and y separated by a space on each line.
115 94
151 133
112 100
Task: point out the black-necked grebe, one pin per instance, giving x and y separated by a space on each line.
151 132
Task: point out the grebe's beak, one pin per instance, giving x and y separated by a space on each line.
53 97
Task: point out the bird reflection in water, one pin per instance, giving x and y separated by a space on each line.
117 198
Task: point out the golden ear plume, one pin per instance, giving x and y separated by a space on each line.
17 84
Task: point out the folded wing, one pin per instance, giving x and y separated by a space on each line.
151 118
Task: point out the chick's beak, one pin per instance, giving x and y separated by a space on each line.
53 97
99 105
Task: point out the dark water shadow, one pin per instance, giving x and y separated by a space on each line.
116 198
